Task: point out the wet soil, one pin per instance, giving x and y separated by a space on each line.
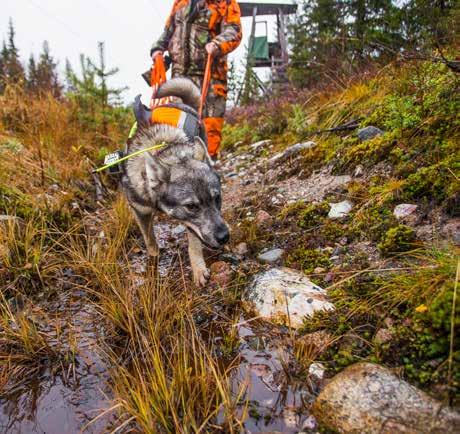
60 400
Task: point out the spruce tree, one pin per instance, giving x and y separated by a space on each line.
46 73
3 60
105 94
32 78
92 92
14 71
318 40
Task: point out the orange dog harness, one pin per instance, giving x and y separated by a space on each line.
176 116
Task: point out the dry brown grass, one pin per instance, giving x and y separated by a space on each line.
166 376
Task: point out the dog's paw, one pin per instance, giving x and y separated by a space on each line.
201 276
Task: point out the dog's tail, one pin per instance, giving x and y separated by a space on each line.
183 88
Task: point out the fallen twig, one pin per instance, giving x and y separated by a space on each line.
351 125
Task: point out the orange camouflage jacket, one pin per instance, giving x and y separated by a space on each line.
194 23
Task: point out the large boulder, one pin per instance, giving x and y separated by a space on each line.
286 296
368 398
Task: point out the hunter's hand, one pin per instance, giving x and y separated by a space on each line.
212 49
155 54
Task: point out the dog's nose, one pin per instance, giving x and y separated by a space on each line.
222 235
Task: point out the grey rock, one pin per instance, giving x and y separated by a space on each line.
317 371
297 148
263 218
272 256
259 145
241 249
7 220
383 336
359 171
368 133
368 398
179 230
339 210
286 296
405 211
451 230
309 424
426 232
292 151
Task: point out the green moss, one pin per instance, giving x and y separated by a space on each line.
368 153
291 210
372 222
397 239
308 259
313 215
14 202
11 145
333 231
437 182
243 133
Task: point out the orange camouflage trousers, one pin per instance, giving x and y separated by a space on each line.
214 111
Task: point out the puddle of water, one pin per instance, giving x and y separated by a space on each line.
64 403
275 404
57 403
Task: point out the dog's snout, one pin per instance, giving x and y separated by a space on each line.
222 235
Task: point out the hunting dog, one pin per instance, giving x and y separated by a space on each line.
177 179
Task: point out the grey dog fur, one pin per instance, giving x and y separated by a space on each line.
177 180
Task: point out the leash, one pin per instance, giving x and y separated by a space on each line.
205 89
115 159
157 78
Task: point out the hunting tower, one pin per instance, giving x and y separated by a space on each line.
261 52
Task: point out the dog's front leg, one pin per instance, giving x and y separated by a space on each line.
145 223
195 251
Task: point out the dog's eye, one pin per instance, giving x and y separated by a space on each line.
192 207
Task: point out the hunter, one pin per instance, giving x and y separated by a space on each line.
194 29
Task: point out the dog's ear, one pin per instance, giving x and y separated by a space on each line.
157 172
142 113
200 151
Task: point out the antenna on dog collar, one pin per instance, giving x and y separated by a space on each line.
115 157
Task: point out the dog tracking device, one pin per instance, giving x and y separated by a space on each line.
111 161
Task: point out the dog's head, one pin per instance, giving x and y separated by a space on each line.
186 188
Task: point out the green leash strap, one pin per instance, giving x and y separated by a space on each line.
134 154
